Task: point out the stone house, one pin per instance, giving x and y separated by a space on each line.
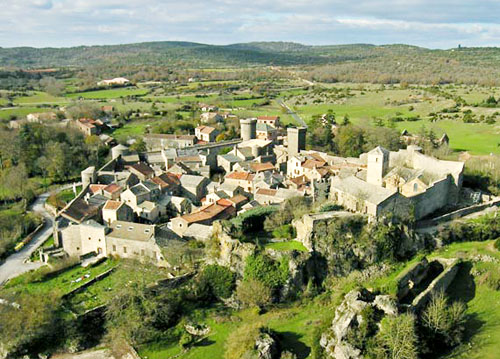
159 141
116 211
211 117
205 215
242 179
142 171
266 132
273 121
194 187
112 191
227 161
206 133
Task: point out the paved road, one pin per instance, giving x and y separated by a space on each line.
291 112
17 263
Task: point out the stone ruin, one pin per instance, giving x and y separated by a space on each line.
415 287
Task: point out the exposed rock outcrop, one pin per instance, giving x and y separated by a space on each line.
347 316
267 346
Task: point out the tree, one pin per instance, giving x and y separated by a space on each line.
139 146
350 141
52 86
397 338
444 322
253 293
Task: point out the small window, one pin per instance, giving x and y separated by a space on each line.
415 187
124 249
90 238
118 226
142 252
114 248
130 228
147 230
77 248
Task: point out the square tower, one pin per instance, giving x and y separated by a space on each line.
378 162
296 137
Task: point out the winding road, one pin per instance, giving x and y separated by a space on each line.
296 117
18 262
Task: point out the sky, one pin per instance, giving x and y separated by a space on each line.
427 23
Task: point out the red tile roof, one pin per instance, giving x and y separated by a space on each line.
266 192
244 176
260 167
112 188
94 188
112 205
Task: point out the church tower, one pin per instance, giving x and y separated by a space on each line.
378 162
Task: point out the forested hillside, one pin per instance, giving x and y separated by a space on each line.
356 63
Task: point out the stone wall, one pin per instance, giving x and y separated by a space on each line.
434 198
413 275
440 283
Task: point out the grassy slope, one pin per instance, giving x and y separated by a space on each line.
477 138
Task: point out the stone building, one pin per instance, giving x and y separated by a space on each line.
404 183
121 239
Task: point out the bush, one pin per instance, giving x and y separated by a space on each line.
443 323
216 282
271 273
497 244
285 231
251 221
253 293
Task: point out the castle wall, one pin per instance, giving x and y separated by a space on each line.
434 198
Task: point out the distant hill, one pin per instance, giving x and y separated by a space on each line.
355 62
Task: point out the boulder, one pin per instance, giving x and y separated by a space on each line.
267 346
386 304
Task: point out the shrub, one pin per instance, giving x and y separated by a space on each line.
253 293
443 323
397 338
216 281
271 273
497 244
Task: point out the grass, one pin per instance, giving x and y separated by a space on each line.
294 323
286 246
38 97
109 94
63 281
20 112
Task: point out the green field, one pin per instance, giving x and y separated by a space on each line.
108 94
20 112
38 97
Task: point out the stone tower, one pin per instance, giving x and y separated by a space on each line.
89 176
378 162
296 137
248 128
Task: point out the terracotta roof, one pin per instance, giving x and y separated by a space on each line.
268 118
313 163
205 129
166 180
244 176
224 202
239 198
259 167
205 213
79 210
112 188
112 205
94 188
266 192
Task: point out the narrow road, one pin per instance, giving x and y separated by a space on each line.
296 117
18 262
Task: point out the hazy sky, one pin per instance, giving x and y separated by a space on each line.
429 23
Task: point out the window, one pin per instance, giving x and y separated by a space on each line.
142 252
90 238
124 249
415 187
114 248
